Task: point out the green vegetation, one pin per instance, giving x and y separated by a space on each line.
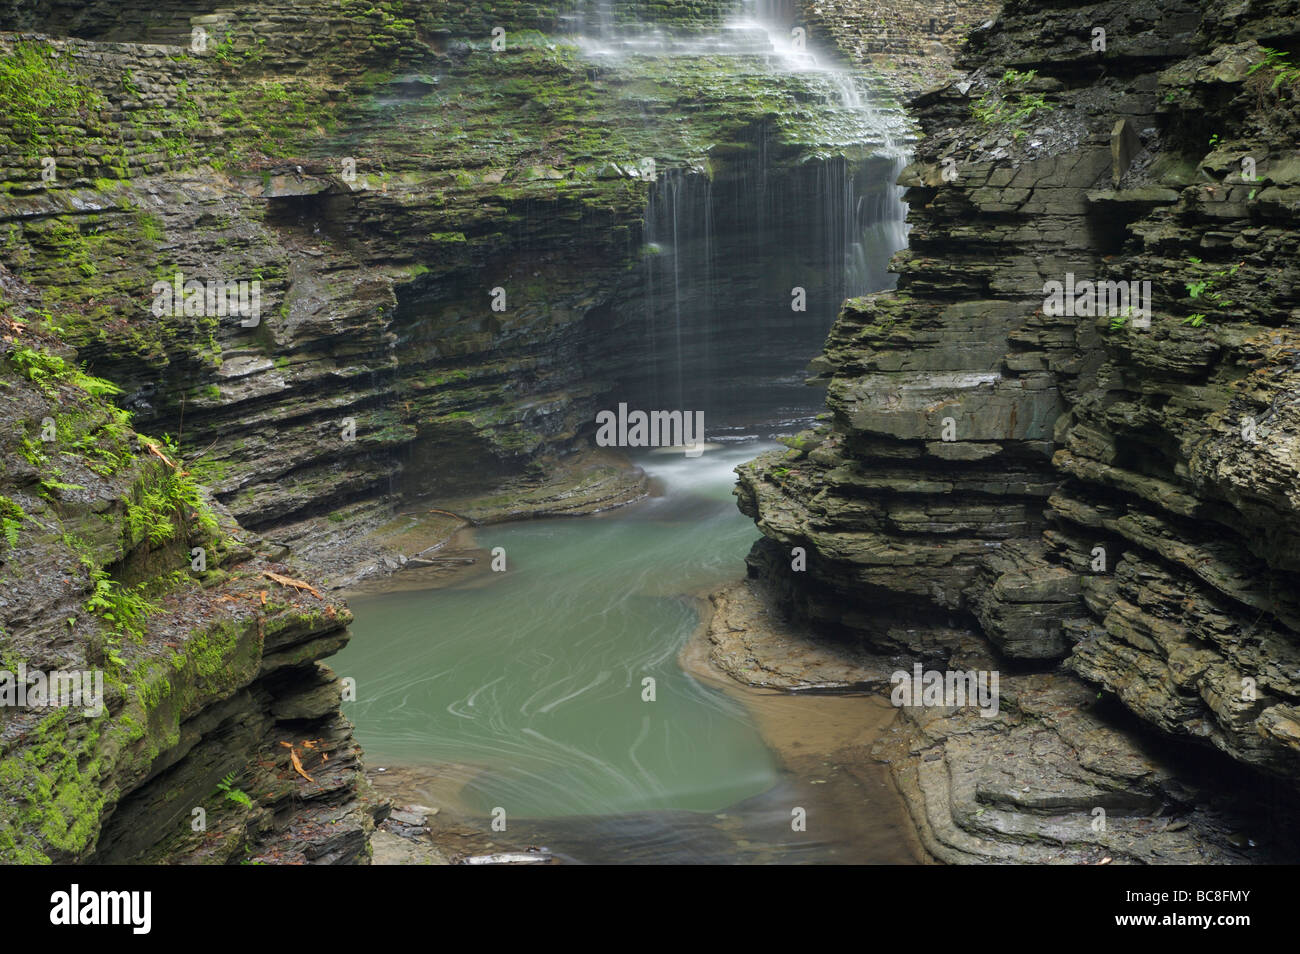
1008 103
272 117
95 433
1208 290
54 784
232 794
43 99
227 53
167 503
125 608
1278 63
48 371
802 444
11 521
150 227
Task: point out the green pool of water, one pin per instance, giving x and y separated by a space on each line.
535 675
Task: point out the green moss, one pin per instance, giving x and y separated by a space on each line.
45 101
150 227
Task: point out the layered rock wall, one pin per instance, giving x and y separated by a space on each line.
913 43
195 648
380 172
1081 487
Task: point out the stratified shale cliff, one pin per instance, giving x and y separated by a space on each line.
1004 483
205 729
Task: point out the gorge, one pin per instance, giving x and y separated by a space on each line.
380 513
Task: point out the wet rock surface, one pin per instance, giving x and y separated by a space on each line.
1083 488
1056 776
445 258
214 735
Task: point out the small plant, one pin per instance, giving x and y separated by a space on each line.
1208 290
47 371
11 521
1008 102
43 98
1278 62
236 795
225 50
153 516
125 607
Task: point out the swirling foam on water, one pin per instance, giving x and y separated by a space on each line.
534 676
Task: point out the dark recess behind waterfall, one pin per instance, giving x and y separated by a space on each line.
722 262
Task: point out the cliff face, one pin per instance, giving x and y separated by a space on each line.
1077 487
912 44
448 227
203 667
997 486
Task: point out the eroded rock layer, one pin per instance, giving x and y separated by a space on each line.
1079 485
203 727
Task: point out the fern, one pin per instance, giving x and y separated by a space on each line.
1279 62
1209 291
126 607
1006 103
47 370
236 795
11 521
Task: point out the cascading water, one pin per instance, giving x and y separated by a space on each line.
729 244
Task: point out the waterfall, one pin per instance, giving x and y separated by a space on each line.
728 246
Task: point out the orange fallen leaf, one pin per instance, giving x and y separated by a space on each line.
263 594
297 765
153 449
296 584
